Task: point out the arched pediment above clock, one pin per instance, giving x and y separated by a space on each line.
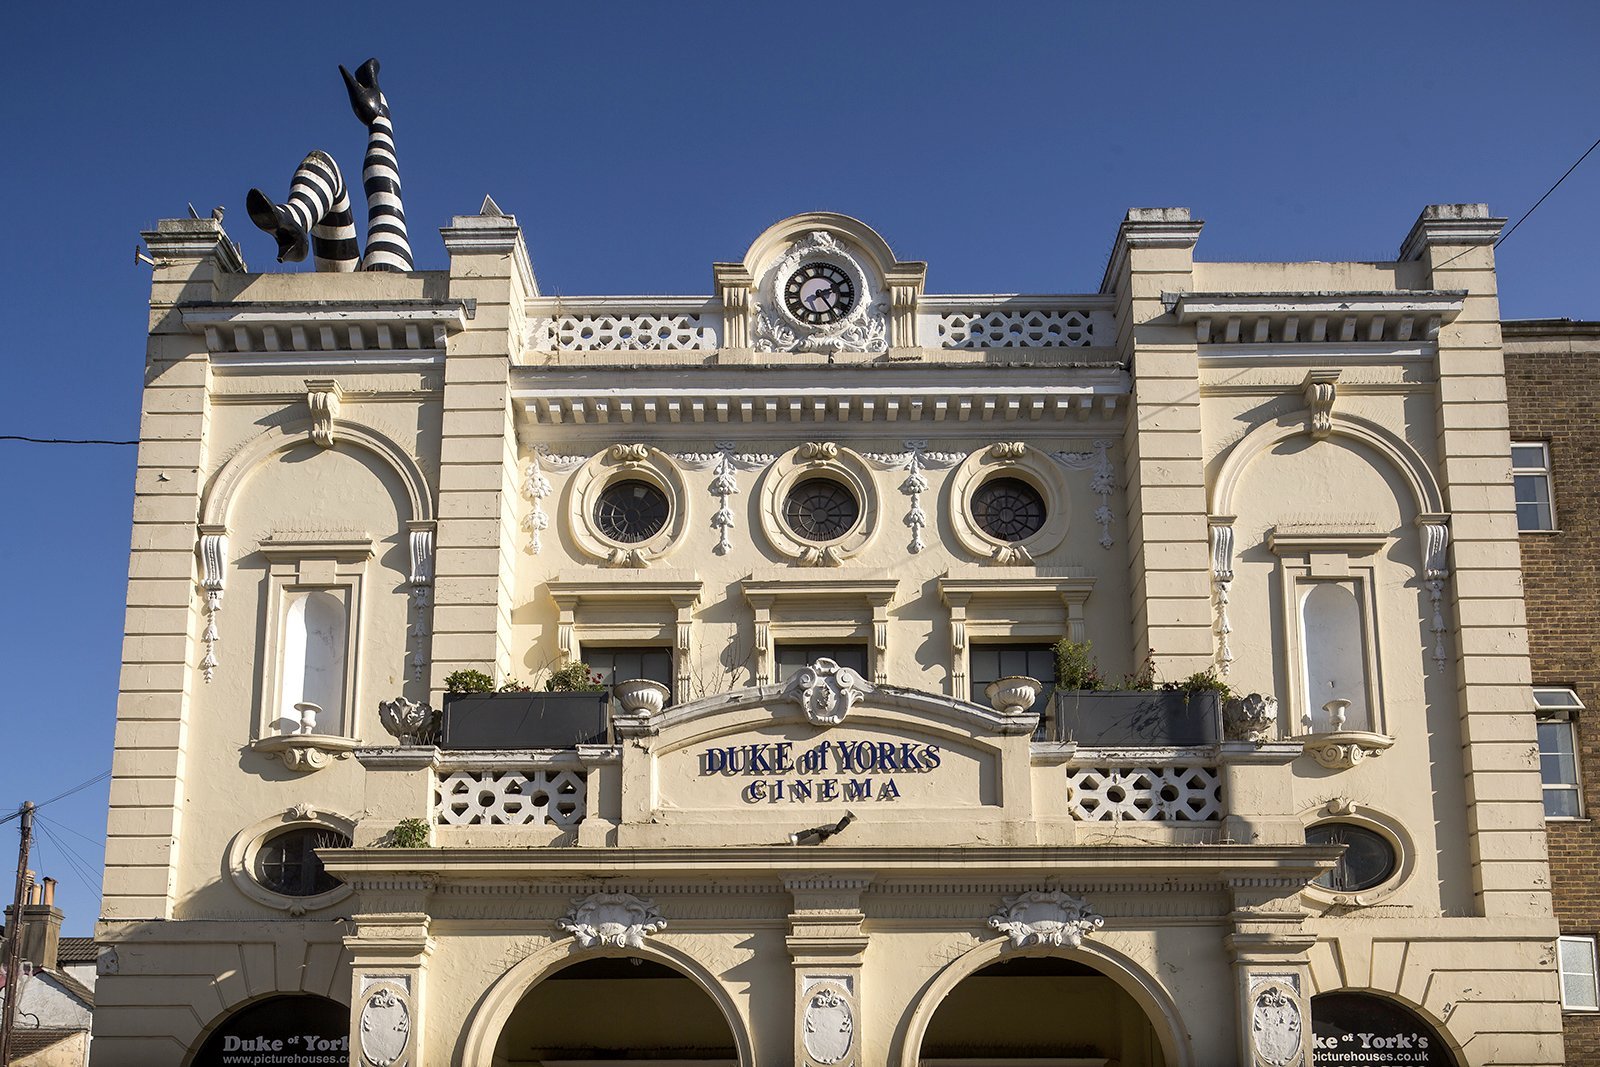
781 237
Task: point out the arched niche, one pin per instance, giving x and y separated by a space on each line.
501 1000
1142 988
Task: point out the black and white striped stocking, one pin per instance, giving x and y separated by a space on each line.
387 245
319 207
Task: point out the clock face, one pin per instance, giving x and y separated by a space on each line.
819 293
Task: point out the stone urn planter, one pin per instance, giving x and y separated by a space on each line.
1013 694
641 696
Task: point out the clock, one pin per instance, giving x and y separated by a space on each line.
819 293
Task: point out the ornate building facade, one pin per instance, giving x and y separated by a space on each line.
818 531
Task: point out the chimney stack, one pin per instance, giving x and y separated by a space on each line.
41 925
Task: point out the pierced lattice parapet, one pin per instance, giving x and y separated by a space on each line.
621 333
1146 794
1016 329
510 798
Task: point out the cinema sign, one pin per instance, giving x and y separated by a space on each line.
847 743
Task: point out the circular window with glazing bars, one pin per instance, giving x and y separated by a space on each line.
631 511
821 509
1008 509
1369 859
287 862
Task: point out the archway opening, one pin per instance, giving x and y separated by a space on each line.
1040 1009
1351 1028
616 1009
294 1028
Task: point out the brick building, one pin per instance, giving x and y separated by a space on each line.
1553 394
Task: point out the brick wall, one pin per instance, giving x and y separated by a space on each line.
1553 393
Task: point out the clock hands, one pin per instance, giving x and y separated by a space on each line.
827 290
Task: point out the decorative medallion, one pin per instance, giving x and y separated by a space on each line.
1045 918
385 1027
1275 1025
614 920
826 691
829 1027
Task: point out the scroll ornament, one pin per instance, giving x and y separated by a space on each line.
612 920
1045 918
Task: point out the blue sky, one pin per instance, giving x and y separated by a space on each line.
639 143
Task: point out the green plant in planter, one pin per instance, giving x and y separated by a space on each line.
410 833
511 685
1075 666
468 682
1206 681
575 677
1144 679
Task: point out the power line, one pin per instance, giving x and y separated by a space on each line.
1506 236
102 776
97 842
62 440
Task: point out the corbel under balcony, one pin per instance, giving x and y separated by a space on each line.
1343 749
313 334
1373 320
306 752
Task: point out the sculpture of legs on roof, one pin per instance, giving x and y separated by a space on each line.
317 216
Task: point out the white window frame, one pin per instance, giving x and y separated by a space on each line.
1306 557
1586 943
1554 704
336 565
1542 471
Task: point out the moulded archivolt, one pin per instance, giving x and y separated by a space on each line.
1010 459
632 462
818 459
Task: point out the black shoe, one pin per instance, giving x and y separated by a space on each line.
365 97
293 241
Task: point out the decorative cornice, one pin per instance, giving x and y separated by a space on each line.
883 392
490 235
193 239
322 332
1311 318
1149 227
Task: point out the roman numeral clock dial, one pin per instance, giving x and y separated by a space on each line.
819 293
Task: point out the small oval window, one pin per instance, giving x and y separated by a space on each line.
287 862
820 509
1368 859
1008 509
631 511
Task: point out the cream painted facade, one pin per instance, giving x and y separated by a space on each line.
359 483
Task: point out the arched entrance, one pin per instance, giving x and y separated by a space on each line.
297 1028
1024 1009
608 1009
1352 1027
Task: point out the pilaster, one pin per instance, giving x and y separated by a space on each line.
477 533
389 951
165 614
1163 450
1270 952
828 947
1455 243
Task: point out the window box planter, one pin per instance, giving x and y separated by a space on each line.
1138 718
525 720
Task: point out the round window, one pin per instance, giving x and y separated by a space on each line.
1368 859
631 511
821 509
287 863
1008 509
